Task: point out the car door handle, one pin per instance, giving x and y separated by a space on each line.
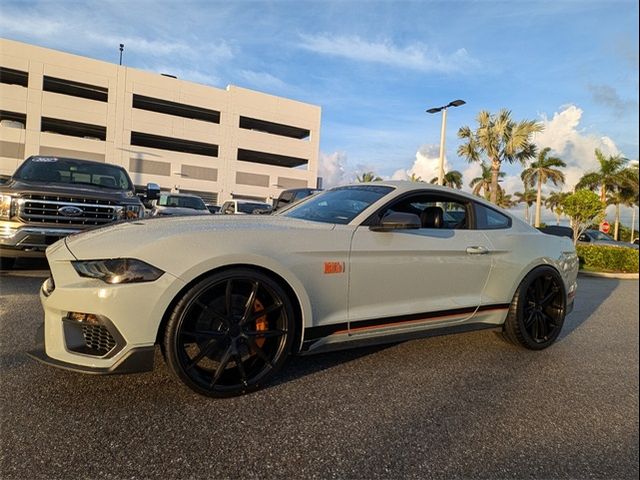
477 250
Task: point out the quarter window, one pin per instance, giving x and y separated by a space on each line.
490 219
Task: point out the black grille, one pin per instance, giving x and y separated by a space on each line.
86 211
98 339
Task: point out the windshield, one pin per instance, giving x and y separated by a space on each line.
599 236
194 203
70 171
250 207
339 205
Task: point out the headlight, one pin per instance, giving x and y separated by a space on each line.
130 212
117 270
6 204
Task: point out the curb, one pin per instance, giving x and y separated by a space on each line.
620 276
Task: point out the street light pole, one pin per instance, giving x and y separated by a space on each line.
121 49
442 135
443 109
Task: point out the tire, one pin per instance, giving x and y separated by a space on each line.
537 311
7 263
230 333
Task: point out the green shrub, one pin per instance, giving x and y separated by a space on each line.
608 259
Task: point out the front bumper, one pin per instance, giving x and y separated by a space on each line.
17 240
94 327
137 360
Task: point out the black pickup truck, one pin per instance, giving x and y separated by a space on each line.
48 198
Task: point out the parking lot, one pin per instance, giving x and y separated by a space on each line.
468 405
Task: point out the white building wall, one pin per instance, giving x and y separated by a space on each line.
224 175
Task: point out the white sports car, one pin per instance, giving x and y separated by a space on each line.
228 298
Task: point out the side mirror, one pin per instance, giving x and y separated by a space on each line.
397 221
153 191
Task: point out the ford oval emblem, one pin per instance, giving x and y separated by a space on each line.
70 211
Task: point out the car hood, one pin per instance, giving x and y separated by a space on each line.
144 238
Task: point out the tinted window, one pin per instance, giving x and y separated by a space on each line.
67 170
435 211
490 219
251 207
182 202
339 205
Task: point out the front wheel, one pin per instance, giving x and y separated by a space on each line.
537 312
230 333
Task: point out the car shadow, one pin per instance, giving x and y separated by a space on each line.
591 293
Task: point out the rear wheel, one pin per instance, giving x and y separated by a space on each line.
537 311
230 333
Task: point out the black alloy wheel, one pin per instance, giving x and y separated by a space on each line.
230 333
538 309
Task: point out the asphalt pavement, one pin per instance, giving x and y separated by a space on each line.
461 406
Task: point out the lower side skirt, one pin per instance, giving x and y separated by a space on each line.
354 341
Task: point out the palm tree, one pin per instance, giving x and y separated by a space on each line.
528 197
483 182
452 179
554 203
545 168
612 175
368 177
626 195
505 200
415 178
500 139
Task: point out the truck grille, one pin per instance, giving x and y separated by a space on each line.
53 209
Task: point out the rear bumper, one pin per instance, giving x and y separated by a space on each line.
136 360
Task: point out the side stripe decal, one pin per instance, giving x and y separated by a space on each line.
315 333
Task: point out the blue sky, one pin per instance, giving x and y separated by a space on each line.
374 67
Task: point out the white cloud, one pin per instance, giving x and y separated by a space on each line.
332 168
425 165
416 56
262 80
563 135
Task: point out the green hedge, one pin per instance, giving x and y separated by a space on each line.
608 259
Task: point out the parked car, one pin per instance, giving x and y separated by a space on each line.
48 198
179 204
213 208
244 207
230 297
291 196
592 237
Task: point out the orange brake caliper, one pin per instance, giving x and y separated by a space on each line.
261 322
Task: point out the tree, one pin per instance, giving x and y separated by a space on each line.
611 175
528 197
483 182
626 195
505 200
554 203
543 169
452 179
368 177
583 208
500 139
415 178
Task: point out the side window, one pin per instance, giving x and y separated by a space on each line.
490 219
435 211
